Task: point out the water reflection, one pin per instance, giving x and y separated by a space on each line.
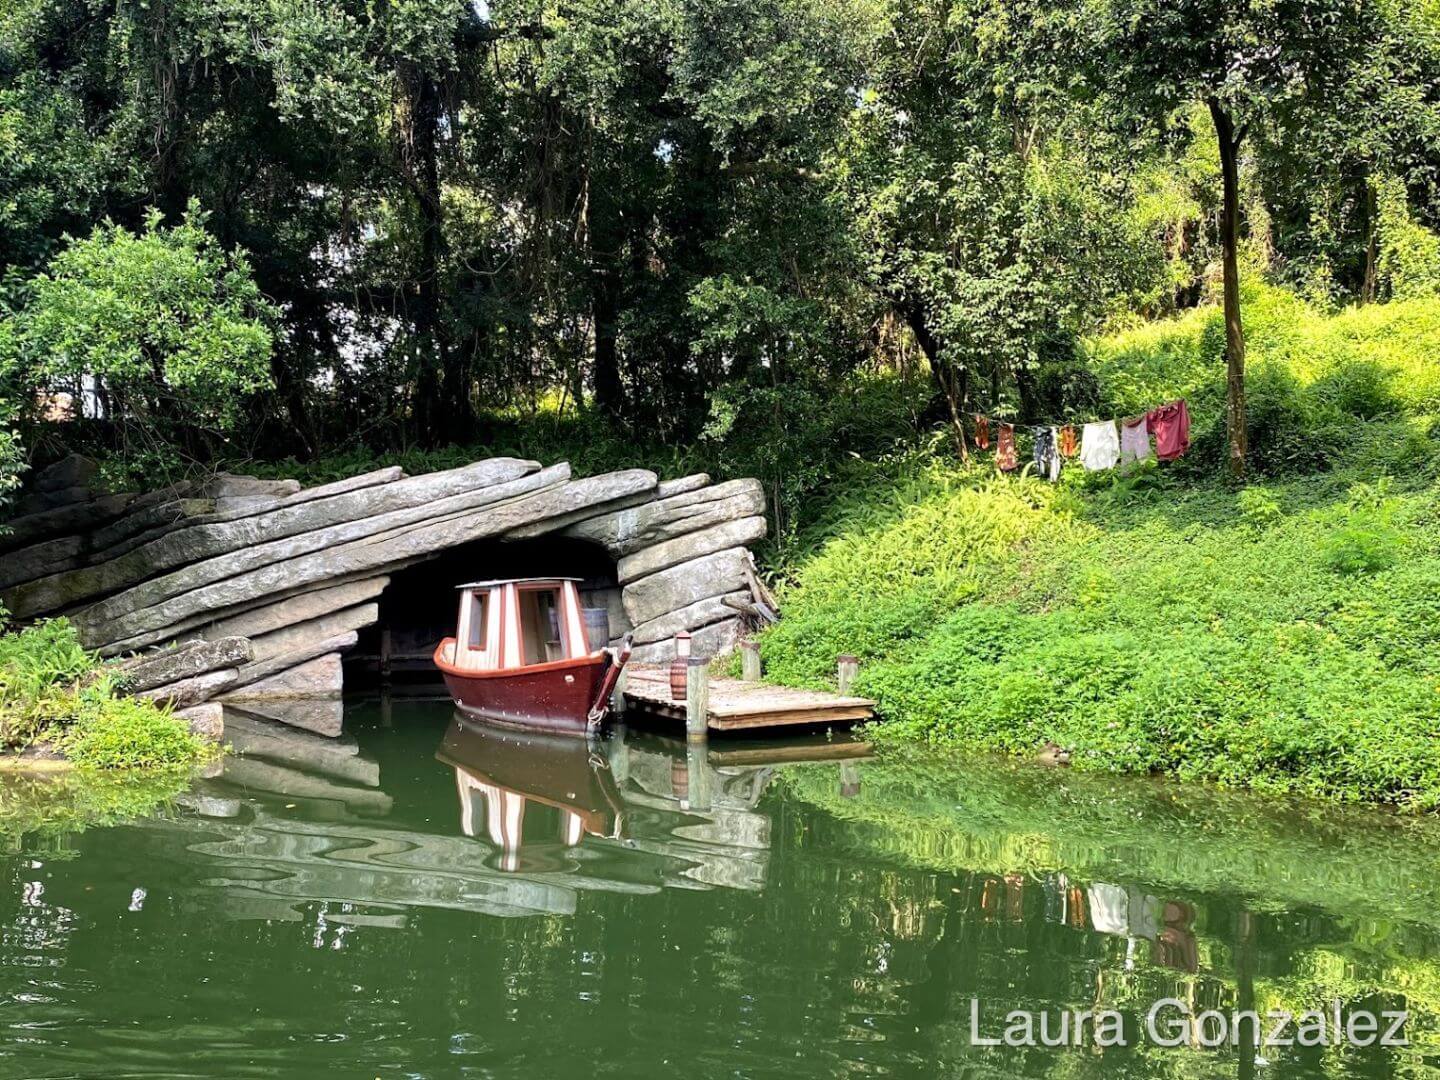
537 820
434 898
629 797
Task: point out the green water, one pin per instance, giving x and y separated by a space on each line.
423 899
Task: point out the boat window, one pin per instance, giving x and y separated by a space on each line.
540 625
479 624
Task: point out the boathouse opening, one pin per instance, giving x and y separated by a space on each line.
418 608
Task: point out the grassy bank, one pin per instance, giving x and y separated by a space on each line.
1285 636
53 693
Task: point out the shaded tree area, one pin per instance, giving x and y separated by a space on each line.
688 221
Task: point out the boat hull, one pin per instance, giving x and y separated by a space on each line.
555 697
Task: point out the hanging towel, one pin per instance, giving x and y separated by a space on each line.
1171 425
1069 444
1134 439
1100 446
982 432
1005 451
1047 455
1109 908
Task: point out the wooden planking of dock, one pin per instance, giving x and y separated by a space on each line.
735 705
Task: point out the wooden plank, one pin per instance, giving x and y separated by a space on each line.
736 705
776 719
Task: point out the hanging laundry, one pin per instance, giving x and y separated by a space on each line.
1069 442
1005 457
1109 908
982 432
1134 439
1100 446
1047 454
1171 426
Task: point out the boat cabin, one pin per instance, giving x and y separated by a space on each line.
504 625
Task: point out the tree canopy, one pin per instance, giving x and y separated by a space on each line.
365 225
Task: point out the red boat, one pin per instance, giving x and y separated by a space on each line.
520 657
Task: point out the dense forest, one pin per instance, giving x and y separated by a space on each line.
284 229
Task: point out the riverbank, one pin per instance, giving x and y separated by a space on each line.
1283 636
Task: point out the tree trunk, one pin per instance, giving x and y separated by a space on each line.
604 313
954 390
170 191
419 148
1369 286
1234 329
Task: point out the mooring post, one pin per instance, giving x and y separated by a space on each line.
750 660
849 779
617 695
617 752
697 773
385 650
847 667
697 697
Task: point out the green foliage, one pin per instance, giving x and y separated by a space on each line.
1312 376
39 666
110 732
1283 637
1409 259
51 688
1258 508
1364 539
172 329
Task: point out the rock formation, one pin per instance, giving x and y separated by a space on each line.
244 590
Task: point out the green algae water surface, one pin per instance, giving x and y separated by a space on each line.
430 898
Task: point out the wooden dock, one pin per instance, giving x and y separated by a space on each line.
735 705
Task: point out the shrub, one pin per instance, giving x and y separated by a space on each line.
37 667
50 687
1148 626
126 733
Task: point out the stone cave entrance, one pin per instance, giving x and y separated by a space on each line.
418 607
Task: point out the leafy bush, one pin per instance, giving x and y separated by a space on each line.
38 666
1191 631
126 733
170 326
51 688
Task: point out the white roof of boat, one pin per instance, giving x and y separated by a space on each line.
513 581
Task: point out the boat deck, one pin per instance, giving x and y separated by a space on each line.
737 705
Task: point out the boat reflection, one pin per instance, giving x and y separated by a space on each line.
500 773
534 797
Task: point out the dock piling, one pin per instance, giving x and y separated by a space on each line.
750 660
617 695
697 697
697 773
847 667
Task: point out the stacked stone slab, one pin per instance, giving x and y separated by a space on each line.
276 581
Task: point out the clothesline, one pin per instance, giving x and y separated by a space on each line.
1102 444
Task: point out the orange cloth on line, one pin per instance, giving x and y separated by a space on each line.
982 432
1069 445
1005 453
